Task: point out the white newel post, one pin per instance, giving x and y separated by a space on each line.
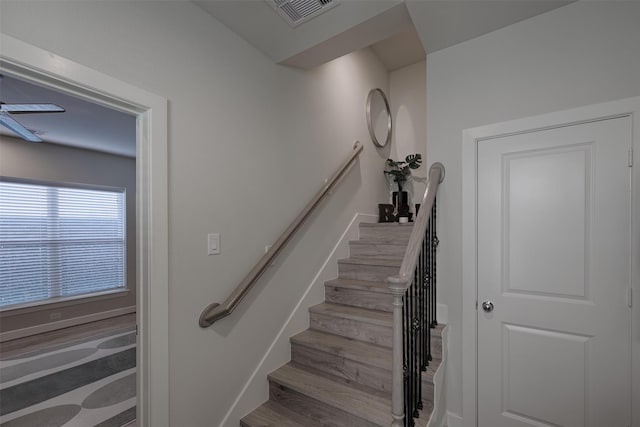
398 288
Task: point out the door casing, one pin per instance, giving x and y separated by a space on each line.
38 65
470 138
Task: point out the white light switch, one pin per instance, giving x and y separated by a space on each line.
213 243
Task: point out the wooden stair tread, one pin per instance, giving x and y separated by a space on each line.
364 285
382 262
340 368
376 317
385 224
339 395
369 241
348 348
271 414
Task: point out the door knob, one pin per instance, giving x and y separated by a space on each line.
487 306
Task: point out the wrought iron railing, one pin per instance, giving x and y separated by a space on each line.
414 314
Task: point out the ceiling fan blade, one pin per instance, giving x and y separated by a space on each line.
31 108
11 124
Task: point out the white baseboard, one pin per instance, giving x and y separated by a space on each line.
255 390
66 323
454 420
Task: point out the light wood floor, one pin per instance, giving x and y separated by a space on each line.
61 336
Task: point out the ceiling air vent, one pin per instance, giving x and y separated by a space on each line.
296 12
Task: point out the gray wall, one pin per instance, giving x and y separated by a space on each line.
249 143
57 163
408 102
581 54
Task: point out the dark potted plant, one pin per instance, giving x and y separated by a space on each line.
399 172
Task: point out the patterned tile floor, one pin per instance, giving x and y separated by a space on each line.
88 383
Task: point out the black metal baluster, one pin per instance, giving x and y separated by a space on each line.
419 317
416 359
428 239
413 354
436 242
405 356
423 308
427 288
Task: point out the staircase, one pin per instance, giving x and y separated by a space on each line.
340 369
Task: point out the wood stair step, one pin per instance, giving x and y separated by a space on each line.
353 361
327 402
272 414
359 293
385 231
391 249
362 324
345 347
376 270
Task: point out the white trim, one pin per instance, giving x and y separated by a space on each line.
253 393
454 420
438 417
470 138
44 67
66 323
54 303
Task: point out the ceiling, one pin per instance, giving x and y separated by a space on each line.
392 27
400 32
84 124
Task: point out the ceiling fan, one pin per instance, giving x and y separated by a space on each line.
6 110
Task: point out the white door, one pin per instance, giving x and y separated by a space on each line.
553 260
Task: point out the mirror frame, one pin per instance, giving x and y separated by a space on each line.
374 138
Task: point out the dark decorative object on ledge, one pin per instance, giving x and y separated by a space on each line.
385 213
401 204
400 171
393 213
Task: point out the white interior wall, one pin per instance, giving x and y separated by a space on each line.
408 108
580 54
249 144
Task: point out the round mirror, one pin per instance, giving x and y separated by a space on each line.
378 117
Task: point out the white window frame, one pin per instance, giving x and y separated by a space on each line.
59 298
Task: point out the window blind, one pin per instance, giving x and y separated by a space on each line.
59 240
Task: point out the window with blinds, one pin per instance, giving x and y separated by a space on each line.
59 240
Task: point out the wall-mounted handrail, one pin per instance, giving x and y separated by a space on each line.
217 311
414 308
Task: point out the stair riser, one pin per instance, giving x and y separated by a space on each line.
372 333
319 412
393 232
350 370
359 298
375 273
377 250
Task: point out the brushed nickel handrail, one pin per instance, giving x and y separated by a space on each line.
216 311
400 283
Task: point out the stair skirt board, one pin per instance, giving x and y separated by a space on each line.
339 373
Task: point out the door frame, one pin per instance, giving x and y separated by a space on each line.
470 139
40 66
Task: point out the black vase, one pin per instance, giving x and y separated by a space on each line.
402 203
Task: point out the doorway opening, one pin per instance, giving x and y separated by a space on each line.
34 65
